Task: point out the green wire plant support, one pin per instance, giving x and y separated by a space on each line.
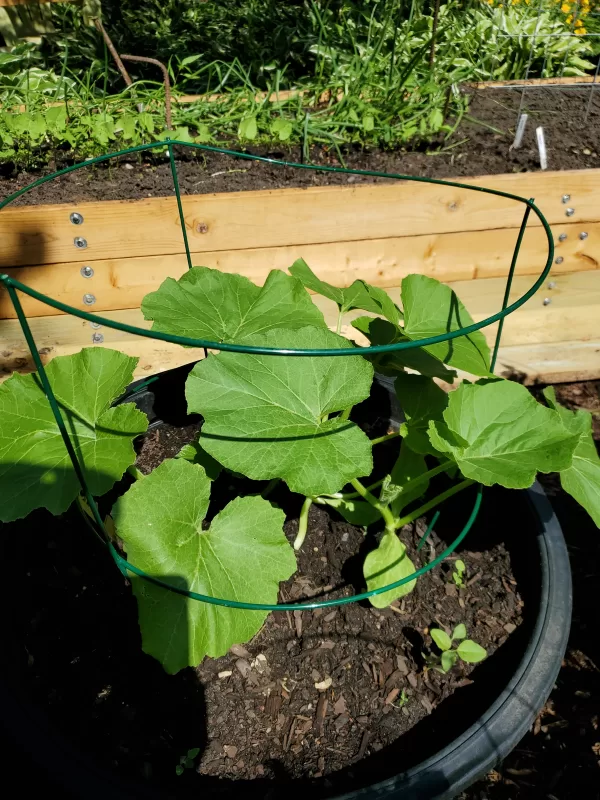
14 286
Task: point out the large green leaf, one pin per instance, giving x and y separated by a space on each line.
35 469
421 400
242 556
582 478
498 433
381 331
359 295
388 564
396 488
267 416
432 308
210 304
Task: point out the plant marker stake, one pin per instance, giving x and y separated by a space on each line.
541 143
519 132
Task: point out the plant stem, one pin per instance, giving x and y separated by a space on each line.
388 517
269 487
303 523
346 413
385 438
135 472
433 503
431 474
338 328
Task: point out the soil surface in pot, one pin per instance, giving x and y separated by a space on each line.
480 146
258 714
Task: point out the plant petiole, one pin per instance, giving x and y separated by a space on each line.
435 501
269 487
386 438
384 510
303 523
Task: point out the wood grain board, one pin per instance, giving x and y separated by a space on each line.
571 318
34 235
123 283
379 232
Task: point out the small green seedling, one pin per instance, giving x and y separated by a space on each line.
467 650
458 574
187 761
402 700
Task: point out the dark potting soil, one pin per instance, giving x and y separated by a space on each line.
476 148
333 699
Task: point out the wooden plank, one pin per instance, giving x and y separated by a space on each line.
551 363
65 335
34 235
532 82
7 3
123 283
572 316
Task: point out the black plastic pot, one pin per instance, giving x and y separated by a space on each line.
48 754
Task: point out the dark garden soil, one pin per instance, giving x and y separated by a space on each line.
478 147
333 699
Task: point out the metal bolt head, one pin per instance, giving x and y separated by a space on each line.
562 237
89 299
552 285
76 218
87 272
583 235
565 198
558 260
95 325
80 242
547 301
97 338
569 212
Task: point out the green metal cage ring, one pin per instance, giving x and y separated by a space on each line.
13 286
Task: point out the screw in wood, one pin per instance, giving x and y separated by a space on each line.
97 338
89 299
558 260
546 301
80 242
87 272
565 198
562 237
583 235
76 218
569 212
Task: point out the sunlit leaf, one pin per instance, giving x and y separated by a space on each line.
242 556
267 416
431 308
498 433
35 468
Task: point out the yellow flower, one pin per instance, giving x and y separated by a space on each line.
569 19
565 8
579 24
580 32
